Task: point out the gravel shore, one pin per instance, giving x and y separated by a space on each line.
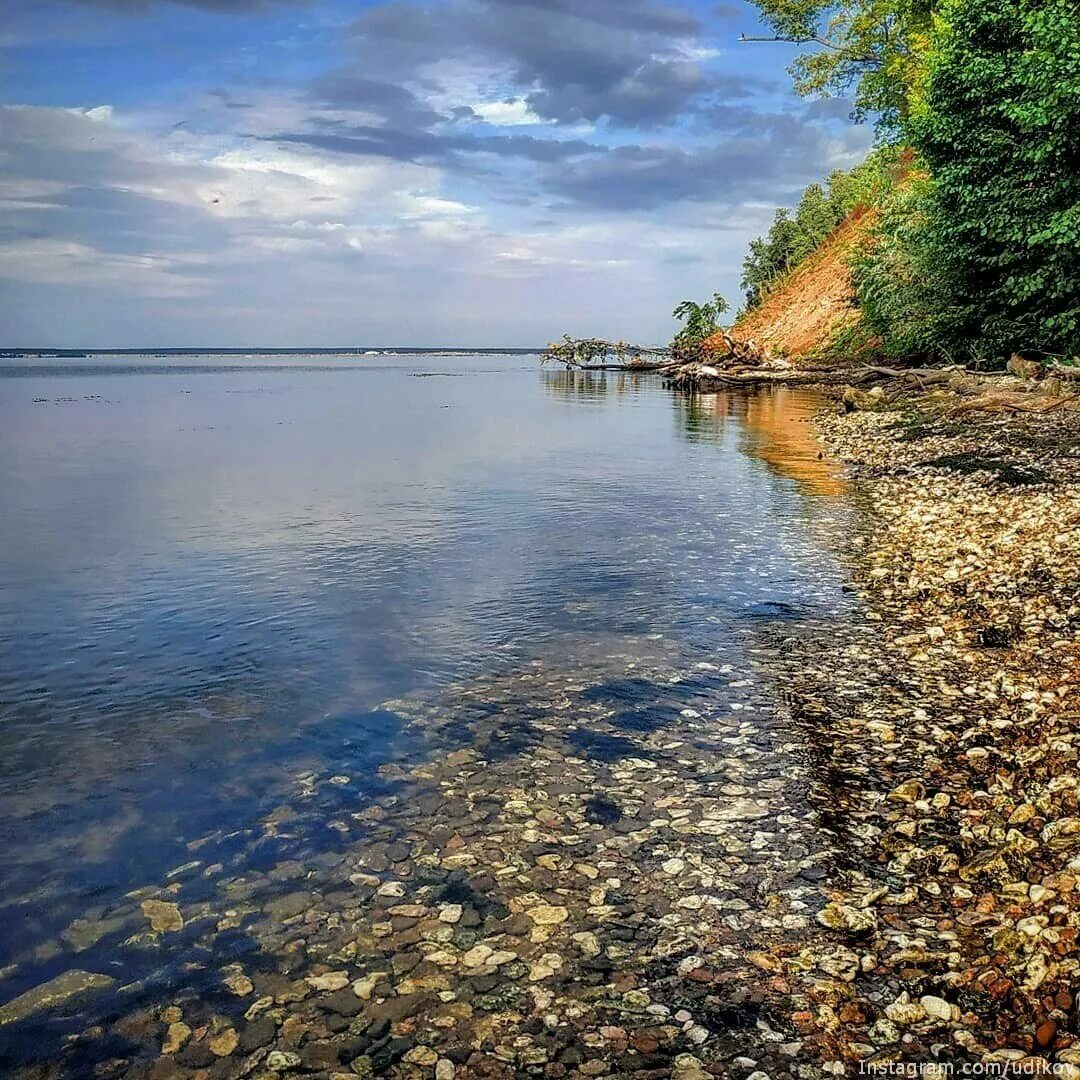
953 716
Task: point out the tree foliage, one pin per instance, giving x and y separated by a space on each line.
977 252
982 256
1000 133
873 50
596 352
699 322
796 234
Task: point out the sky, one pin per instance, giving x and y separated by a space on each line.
401 172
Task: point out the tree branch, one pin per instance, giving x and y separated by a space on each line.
813 39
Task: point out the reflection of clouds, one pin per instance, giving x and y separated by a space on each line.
195 578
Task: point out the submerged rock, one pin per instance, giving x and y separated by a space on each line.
59 991
164 917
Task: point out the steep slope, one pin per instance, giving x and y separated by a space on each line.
803 314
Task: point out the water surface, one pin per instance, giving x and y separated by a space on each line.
218 574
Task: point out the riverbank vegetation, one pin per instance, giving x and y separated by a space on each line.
971 250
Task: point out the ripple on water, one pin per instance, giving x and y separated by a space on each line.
229 640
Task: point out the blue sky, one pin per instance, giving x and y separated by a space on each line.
414 172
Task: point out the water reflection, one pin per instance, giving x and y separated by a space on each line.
212 582
774 425
575 385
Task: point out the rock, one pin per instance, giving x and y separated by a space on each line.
938 1008
319 1056
421 1055
1062 835
280 1060
905 1012
688 1067
239 984
177 1034
456 758
288 906
444 1069
451 913
477 956
57 991
839 962
602 811
329 981
258 1033
838 916
909 791
587 943
545 967
164 917
548 915
343 1002
409 911
363 988
84 934
224 1044
1045 1034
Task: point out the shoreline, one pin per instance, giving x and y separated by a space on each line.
954 723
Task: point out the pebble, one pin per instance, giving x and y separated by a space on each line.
164 917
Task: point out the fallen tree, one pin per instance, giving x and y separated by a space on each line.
717 357
596 354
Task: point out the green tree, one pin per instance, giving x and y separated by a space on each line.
792 237
699 321
999 130
873 49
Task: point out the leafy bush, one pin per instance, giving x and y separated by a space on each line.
897 275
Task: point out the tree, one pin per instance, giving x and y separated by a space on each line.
699 322
999 129
792 238
876 48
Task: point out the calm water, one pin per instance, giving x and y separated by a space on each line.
216 574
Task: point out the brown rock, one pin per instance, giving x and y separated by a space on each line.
1045 1034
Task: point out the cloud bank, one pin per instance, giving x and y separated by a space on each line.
505 168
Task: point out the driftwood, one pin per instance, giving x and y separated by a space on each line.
1005 401
1064 371
919 377
722 360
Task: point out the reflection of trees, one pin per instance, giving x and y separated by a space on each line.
775 422
579 385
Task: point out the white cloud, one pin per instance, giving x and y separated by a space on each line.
510 113
54 261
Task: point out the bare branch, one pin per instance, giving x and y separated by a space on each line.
813 39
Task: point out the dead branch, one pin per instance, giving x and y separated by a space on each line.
1064 371
811 39
1003 401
